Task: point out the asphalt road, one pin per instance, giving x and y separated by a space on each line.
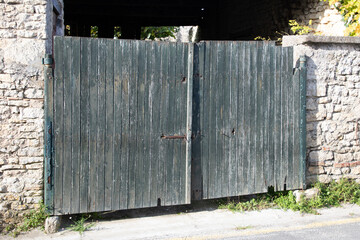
336 232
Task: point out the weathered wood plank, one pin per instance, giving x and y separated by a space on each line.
125 79
226 128
93 125
155 93
212 121
271 113
118 157
58 124
109 125
233 121
147 118
240 118
75 125
259 173
266 119
84 126
169 124
183 119
139 168
290 112
247 166
277 126
190 75
133 118
101 126
67 168
204 116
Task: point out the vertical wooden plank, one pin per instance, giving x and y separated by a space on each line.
133 118
139 170
277 126
169 124
84 126
101 103
163 154
189 123
109 125
155 99
212 121
266 119
93 126
271 113
118 130
226 128
259 174
183 120
219 78
175 127
147 118
247 120
125 62
58 123
75 125
284 119
233 121
240 118
290 111
253 118
179 125
204 62
67 169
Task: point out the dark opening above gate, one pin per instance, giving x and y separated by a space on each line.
218 19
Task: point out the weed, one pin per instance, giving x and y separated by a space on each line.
80 226
34 219
243 227
331 194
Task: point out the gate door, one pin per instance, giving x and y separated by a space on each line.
121 119
249 127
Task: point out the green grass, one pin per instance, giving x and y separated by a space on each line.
243 227
331 194
80 225
34 219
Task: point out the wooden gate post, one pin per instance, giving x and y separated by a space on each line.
48 136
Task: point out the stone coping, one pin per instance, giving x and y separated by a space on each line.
305 39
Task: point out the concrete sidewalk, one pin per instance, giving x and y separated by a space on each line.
209 224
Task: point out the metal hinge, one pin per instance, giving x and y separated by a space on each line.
48 60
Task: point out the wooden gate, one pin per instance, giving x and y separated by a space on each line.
127 128
120 115
249 119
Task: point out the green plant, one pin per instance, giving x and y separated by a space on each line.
298 29
35 218
331 194
350 10
153 33
243 227
80 225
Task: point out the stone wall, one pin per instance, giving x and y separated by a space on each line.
325 18
333 105
25 36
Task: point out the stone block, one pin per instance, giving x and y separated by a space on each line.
52 224
307 194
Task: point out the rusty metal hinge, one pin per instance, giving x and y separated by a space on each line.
173 137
